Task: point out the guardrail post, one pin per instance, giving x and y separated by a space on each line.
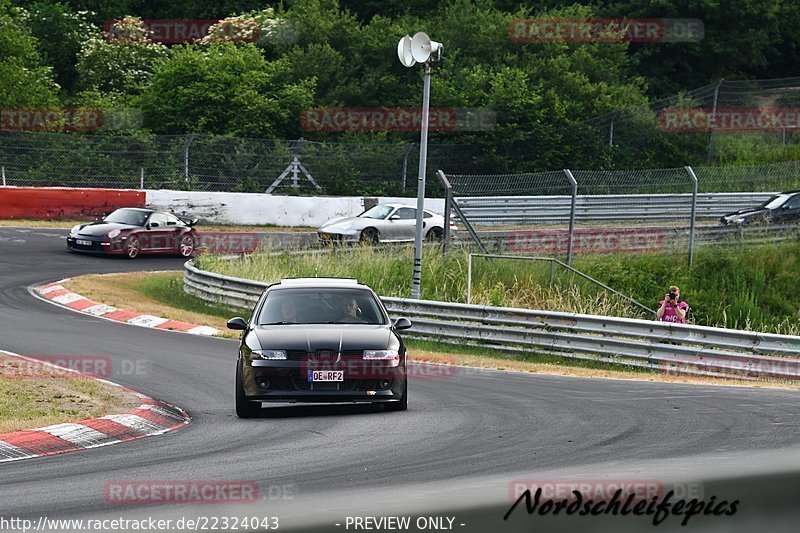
574 183
448 197
694 214
460 214
469 278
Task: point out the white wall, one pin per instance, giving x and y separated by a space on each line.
262 209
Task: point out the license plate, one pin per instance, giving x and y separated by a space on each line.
324 236
326 375
81 242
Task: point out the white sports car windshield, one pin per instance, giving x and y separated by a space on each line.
378 212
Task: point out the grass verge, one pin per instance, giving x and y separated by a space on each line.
748 287
162 294
34 395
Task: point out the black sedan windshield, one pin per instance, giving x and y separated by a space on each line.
320 306
131 217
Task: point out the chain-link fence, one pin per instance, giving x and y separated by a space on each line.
728 122
218 163
569 212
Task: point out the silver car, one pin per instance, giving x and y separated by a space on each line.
383 223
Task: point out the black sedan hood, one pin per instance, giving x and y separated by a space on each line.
312 337
746 213
97 229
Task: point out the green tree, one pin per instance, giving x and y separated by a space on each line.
24 80
121 60
60 33
225 88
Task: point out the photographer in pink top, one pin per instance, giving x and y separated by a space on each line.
672 309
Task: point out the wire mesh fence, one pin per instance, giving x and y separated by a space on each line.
623 211
219 163
728 122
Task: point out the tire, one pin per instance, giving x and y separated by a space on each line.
244 407
133 247
187 246
402 404
436 234
370 235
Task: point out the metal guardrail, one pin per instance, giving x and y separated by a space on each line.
669 348
499 210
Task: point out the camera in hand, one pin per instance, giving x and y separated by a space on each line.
672 296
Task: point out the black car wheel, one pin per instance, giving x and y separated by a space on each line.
370 235
244 407
186 246
401 405
133 247
435 234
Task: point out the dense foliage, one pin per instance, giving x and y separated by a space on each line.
341 53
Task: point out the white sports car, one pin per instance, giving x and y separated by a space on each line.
383 223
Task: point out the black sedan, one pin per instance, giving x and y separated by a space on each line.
132 231
781 209
320 340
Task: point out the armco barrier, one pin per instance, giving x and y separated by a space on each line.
489 210
62 202
669 348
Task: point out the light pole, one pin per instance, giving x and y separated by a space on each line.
410 51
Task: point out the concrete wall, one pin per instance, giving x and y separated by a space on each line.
260 209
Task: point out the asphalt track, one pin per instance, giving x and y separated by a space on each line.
464 439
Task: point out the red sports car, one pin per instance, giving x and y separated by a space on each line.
134 231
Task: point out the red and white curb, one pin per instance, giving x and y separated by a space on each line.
152 417
56 293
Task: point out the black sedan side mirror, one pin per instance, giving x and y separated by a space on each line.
402 323
237 323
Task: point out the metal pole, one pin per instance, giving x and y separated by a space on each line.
713 119
574 183
186 158
694 214
405 164
423 154
141 178
4 176
552 273
469 278
611 129
448 197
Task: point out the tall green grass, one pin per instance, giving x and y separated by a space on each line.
746 287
